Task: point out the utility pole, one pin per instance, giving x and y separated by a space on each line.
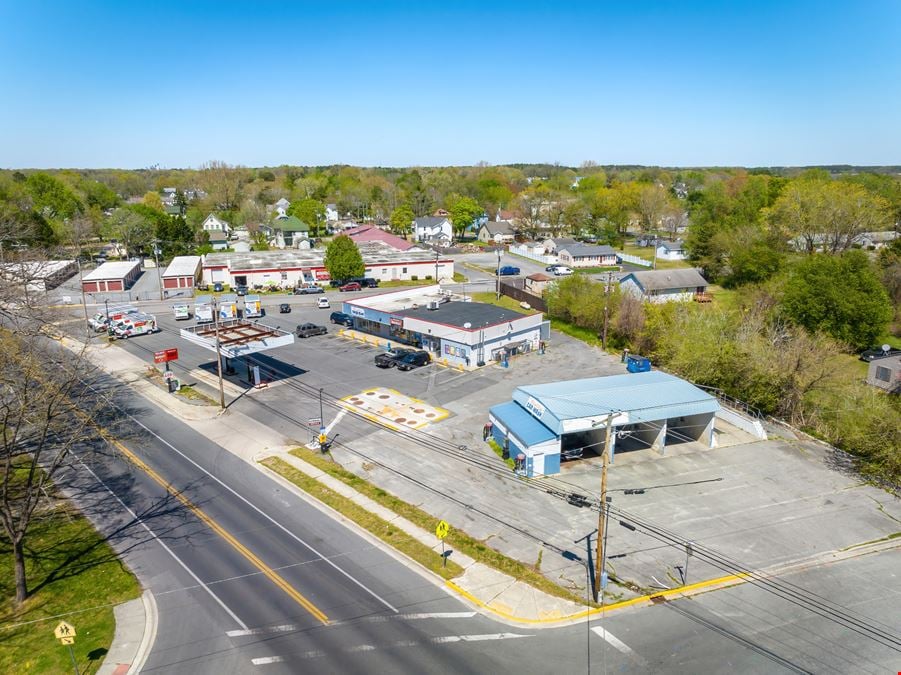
602 515
437 254
606 304
498 273
84 302
218 353
156 258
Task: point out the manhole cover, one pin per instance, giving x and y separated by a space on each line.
400 420
411 422
384 396
370 393
418 411
430 414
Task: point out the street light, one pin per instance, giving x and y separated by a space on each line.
218 353
437 253
156 259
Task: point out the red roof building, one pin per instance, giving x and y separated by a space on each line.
366 233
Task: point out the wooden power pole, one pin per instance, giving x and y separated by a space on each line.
602 514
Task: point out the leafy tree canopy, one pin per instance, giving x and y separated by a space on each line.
343 259
463 213
840 296
402 219
52 197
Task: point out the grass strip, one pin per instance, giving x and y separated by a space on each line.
390 534
72 571
458 539
499 451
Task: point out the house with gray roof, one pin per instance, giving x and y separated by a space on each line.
682 285
586 255
671 250
433 230
496 232
885 373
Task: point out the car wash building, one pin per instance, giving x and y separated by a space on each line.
554 422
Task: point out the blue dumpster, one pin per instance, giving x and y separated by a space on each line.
637 364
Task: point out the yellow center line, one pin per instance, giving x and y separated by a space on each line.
273 576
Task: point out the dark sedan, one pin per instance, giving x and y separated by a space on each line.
389 359
284 308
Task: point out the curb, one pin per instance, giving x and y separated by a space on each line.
151 621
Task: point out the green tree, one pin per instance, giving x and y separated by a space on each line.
311 211
840 296
153 200
463 213
134 230
99 194
402 219
747 255
52 198
343 259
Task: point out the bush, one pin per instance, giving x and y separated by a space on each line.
414 278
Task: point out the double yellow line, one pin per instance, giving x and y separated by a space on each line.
271 574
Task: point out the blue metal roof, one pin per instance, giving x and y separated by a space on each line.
645 397
517 420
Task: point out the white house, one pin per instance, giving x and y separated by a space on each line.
681 285
331 213
671 250
433 230
281 206
496 232
586 255
214 224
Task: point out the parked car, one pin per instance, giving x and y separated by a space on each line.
878 353
241 289
308 290
342 319
508 271
306 330
284 308
369 282
562 271
414 360
551 268
218 287
350 286
389 358
323 303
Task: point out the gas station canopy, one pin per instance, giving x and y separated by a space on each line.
238 337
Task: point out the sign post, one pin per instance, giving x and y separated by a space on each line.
441 532
65 633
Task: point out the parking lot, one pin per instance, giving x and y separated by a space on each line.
762 503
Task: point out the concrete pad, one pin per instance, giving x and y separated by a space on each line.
390 408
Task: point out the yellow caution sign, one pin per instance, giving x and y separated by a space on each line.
442 529
64 630
67 640
322 439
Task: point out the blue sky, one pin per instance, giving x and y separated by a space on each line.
133 84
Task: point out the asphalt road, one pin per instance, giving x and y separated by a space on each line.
223 610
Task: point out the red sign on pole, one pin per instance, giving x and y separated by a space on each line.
165 356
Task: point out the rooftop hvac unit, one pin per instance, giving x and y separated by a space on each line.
434 304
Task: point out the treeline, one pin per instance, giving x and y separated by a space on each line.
780 350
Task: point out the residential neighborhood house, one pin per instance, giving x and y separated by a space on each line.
537 283
885 373
433 230
331 213
681 285
213 223
289 232
373 233
671 250
586 255
496 232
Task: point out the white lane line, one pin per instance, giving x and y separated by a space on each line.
447 639
163 544
616 643
260 511
290 627
334 422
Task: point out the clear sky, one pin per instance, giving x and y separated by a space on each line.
132 84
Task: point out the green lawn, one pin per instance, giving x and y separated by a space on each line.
491 299
72 571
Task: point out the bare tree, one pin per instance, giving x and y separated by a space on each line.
653 202
223 183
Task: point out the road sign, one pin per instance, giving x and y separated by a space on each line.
64 630
442 529
67 640
314 422
168 374
165 356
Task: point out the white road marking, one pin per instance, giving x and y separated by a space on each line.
447 639
261 512
165 547
289 627
616 643
334 422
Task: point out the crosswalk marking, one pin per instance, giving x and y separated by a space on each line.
290 627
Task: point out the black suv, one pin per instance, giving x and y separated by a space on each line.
390 358
306 330
365 282
342 318
414 360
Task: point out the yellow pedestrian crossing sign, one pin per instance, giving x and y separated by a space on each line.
64 630
67 640
442 529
